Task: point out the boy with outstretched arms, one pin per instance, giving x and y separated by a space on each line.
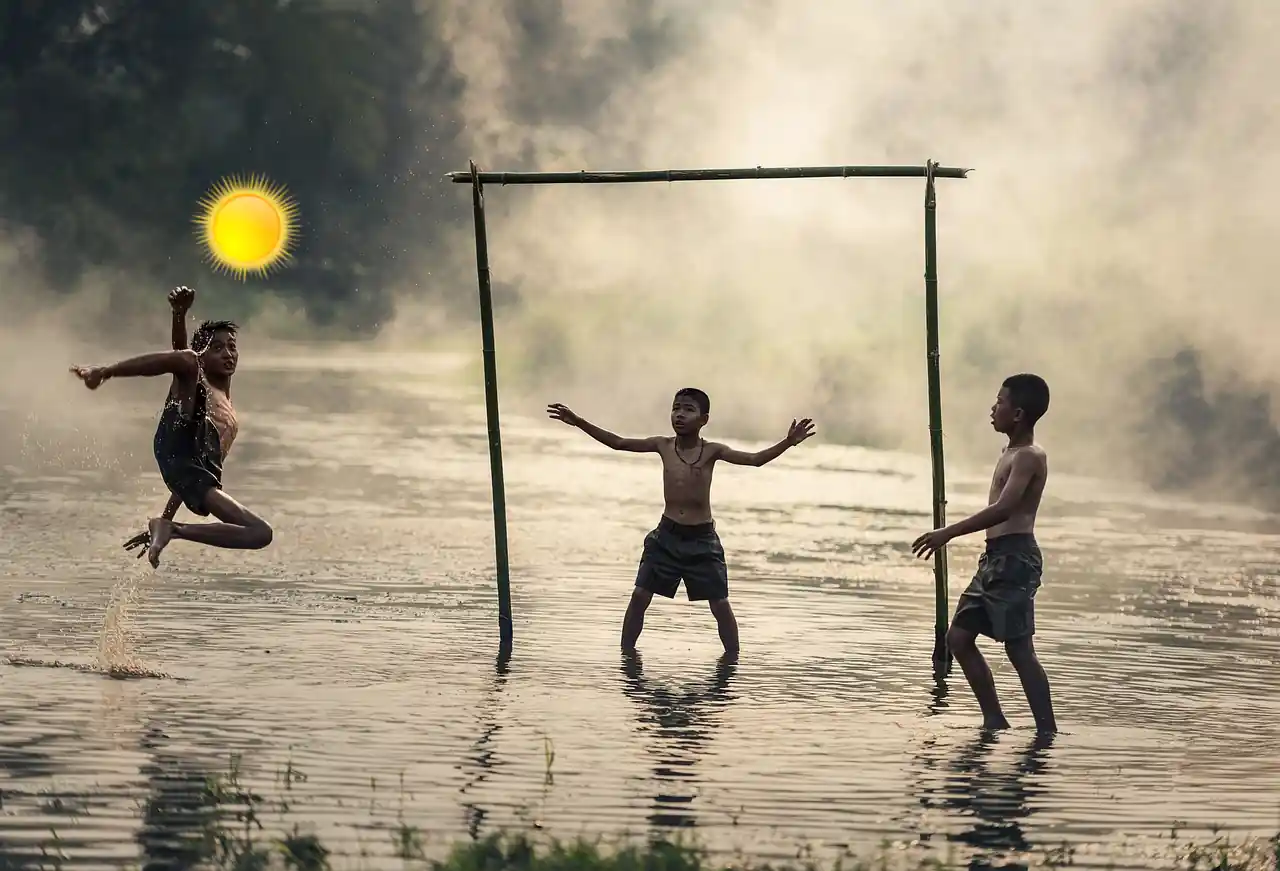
197 428
684 546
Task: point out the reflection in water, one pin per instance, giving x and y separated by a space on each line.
994 804
21 756
683 723
180 813
938 695
482 751
380 488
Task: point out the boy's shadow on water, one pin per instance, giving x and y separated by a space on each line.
683 723
995 804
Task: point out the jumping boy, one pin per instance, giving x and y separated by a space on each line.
1000 600
197 428
685 544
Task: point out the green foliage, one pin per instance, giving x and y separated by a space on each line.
118 115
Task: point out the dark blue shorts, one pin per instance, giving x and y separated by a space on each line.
676 551
1000 601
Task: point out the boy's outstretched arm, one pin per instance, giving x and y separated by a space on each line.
1025 466
800 430
183 364
559 412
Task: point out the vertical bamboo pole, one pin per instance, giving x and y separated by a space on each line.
941 655
505 630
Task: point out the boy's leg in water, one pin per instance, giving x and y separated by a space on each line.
706 579
727 624
657 575
240 528
962 643
1035 683
633 622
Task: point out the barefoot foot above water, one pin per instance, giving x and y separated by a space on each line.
160 531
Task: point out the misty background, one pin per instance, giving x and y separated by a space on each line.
1116 236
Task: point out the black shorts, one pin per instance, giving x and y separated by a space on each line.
1000 601
191 481
674 552
189 455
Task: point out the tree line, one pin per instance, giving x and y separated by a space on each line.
116 117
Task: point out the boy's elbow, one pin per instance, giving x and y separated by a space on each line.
185 362
1002 513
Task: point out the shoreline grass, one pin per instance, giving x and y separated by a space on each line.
217 822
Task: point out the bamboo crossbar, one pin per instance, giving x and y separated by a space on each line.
672 175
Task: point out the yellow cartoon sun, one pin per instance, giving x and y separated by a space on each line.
247 225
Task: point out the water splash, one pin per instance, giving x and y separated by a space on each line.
118 672
116 655
116 640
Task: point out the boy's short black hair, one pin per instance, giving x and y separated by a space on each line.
1030 393
205 332
699 398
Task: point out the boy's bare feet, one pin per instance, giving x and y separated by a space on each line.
161 531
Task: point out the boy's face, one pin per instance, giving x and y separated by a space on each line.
222 355
686 417
1004 417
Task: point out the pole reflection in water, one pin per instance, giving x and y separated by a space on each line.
679 726
482 753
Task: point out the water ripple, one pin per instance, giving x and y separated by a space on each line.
351 665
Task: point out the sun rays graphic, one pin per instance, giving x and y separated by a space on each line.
247 225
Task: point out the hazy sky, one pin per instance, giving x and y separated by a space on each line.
1118 211
1114 214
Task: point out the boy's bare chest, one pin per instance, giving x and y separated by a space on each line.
223 415
692 472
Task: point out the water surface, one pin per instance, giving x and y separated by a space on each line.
358 652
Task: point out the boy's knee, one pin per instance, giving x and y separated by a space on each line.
260 533
1020 650
960 640
640 598
720 607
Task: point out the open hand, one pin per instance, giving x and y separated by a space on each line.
92 376
559 412
181 299
800 430
930 543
